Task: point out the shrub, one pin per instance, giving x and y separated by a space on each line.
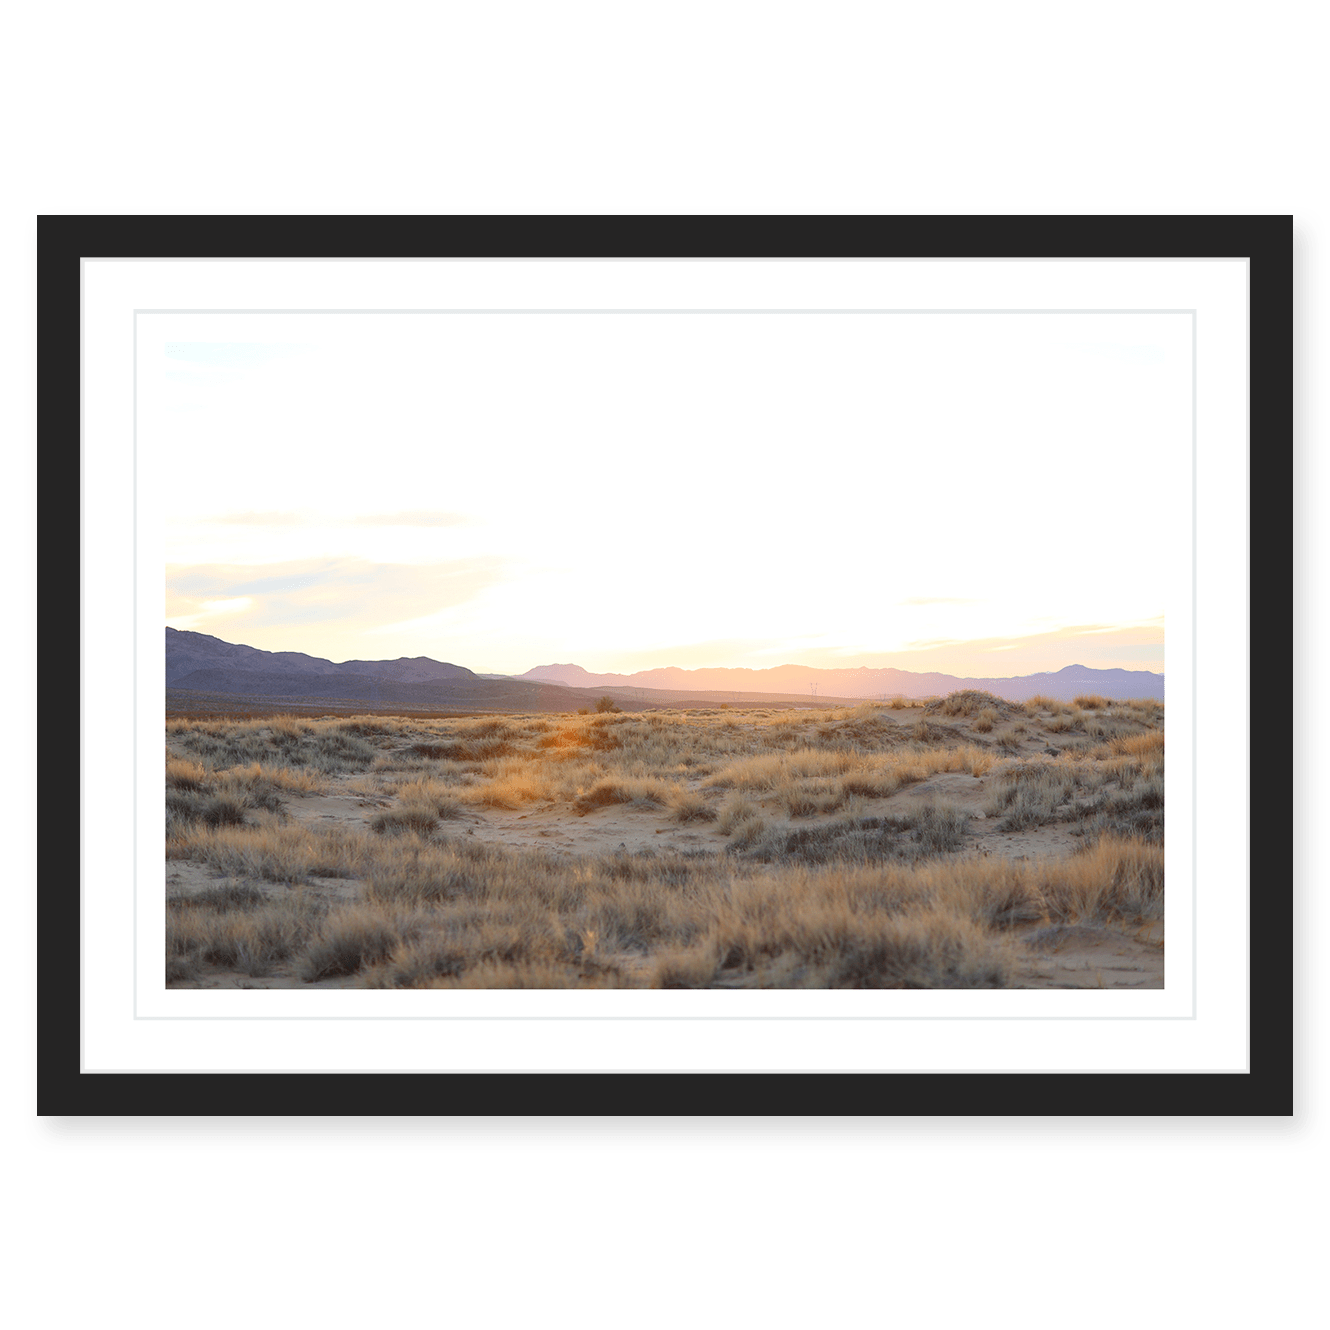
968 702
222 811
1089 701
690 806
606 705
623 790
737 810
1028 795
182 775
351 940
418 818
942 827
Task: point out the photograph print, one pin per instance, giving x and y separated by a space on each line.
721 649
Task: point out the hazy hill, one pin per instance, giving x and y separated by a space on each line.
863 682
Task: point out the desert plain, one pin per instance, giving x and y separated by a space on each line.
956 842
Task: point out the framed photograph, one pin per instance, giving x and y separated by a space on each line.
598 649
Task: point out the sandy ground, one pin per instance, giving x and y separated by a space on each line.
1065 957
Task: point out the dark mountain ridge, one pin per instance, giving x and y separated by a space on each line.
197 661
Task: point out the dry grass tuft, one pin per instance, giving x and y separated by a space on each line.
969 702
352 939
1029 794
274 851
418 819
185 775
689 806
236 928
1090 702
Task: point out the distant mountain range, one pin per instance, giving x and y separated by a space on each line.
199 663
863 682
195 660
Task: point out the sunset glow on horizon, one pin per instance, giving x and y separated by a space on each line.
972 494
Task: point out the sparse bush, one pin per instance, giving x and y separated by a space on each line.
1063 724
1133 813
1116 878
736 810
212 810
223 744
351 940
968 702
182 775
690 806
624 790
684 969
434 751
275 852
1029 794
1090 702
416 818
369 725
606 705
236 928
935 951
221 900
942 827
431 796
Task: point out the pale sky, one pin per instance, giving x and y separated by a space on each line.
977 494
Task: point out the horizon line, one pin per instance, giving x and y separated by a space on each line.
683 669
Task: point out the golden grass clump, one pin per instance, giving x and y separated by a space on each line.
625 790
182 774
1042 702
300 780
1118 878
1090 702
968 702
511 785
689 806
1148 747
274 851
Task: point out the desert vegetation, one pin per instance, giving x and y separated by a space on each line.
967 842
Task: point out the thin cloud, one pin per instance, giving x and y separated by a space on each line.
345 594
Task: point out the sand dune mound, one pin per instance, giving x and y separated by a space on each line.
970 702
